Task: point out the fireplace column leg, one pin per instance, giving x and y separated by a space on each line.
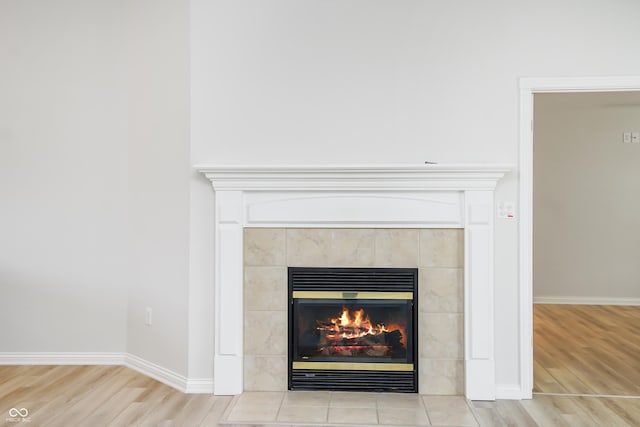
478 295
228 363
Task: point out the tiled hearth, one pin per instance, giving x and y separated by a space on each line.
438 253
313 408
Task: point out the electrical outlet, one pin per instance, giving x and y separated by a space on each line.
626 137
148 316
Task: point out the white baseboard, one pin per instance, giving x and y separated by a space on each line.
61 358
586 300
509 392
157 372
199 386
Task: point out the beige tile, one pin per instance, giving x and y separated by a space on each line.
265 288
307 398
415 416
253 414
268 398
265 333
353 416
264 246
441 336
306 414
442 248
330 247
398 401
449 410
352 248
308 247
353 400
441 290
397 248
265 373
442 377
256 407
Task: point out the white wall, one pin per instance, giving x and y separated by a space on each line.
95 167
586 209
159 172
63 171
287 81
94 133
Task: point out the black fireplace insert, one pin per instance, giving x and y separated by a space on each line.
353 329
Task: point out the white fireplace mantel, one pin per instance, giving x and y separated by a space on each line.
356 196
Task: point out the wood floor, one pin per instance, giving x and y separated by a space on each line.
100 396
586 349
559 411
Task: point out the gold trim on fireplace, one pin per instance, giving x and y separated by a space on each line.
344 366
352 295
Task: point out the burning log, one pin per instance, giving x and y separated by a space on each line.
355 335
349 329
383 344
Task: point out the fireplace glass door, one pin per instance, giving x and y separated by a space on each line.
352 330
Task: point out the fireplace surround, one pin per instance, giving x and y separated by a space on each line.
437 253
361 196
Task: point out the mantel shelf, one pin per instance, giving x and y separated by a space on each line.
473 176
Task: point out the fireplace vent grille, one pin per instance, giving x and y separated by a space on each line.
399 382
352 279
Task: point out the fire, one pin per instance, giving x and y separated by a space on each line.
356 325
352 326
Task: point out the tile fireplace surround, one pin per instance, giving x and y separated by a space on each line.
355 197
437 253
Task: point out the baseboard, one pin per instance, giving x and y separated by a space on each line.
61 358
586 300
199 386
166 376
509 392
157 372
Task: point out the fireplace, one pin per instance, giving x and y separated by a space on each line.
451 196
353 329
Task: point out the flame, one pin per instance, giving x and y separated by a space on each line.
356 325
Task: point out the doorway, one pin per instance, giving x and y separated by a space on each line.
585 243
529 87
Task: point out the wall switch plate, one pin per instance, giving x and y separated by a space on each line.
635 137
626 137
506 210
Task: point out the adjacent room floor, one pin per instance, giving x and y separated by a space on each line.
587 349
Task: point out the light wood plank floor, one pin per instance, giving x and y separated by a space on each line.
559 411
586 349
99 396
